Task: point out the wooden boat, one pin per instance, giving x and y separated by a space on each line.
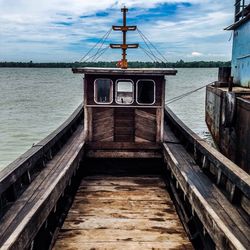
228 99
124 172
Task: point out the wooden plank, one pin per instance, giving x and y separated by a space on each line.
238 176
124 245
89 121
141 140
124 138
103 133
107 139
163 91
122 154
116 71
145 181
123 145
159 125
144 134
150 128
169 137
145 123
145 115
124 123
16 212
224 208
105 120
149 109
245 203
102 114
124 130
211 207
102 128
118 223
101 109
125 114
104 235
126 193
35 210
121 188
105 222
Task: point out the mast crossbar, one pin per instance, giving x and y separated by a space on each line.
124 46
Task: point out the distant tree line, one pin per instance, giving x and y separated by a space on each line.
134 64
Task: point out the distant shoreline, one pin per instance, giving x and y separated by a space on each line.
178 64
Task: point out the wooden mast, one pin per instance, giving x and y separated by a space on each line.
124 46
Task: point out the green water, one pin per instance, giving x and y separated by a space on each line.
34 102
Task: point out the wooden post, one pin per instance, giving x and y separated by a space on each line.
230 84
124 46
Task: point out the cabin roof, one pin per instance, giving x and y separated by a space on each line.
118 71
246 17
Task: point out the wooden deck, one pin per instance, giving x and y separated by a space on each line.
122 213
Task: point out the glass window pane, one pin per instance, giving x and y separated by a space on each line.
124 92
103 90
146 92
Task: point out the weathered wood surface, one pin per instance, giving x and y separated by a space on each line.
110 71
145 125
124 124
102 124
123 145
23 220
230 170
222 220
122 212
123 154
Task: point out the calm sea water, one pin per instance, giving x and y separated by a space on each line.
34 102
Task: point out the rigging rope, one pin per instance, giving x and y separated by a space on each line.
157 50
103 39
100 48
101 53
176 98
150 51
93 57
147 53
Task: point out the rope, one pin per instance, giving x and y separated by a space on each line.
174 99
99 50
101 40
92 58
140 32
101 53
150 51
147 53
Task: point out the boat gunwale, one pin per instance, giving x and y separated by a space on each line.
238 176
27 161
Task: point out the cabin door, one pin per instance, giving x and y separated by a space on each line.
124 125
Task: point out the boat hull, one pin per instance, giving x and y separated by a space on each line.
228 119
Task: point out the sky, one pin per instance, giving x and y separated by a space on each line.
65 30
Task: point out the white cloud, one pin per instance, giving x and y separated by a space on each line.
197 54
30 29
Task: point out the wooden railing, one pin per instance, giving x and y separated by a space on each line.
17 176
229 178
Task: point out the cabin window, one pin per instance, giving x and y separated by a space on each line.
145 92
124 92
103 90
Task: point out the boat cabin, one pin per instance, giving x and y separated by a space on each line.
124 108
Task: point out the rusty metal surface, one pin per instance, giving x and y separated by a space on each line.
122 213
